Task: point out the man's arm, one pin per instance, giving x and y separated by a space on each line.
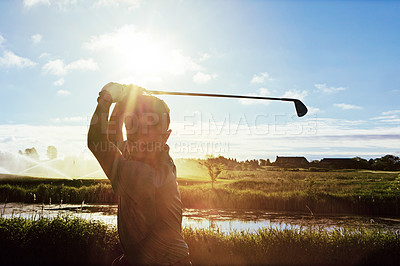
118 114
115 125
103 149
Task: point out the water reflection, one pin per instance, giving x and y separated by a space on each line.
222 220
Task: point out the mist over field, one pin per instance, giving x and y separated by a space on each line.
76 167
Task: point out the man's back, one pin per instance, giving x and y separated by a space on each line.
141 172
149 211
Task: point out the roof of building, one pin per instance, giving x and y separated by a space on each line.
281 159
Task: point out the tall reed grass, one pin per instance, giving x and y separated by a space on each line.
56 241
45 193
355 192
74 241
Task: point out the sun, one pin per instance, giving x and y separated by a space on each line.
144 54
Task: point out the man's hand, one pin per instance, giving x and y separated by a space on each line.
130 97
132 91
115 90
121 92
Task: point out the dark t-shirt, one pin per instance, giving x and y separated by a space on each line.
149 211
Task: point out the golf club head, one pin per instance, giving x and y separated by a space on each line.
301 109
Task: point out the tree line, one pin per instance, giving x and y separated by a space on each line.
32 153
384 163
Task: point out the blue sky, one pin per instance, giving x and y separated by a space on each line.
340 57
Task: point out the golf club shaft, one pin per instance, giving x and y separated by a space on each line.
301 109
220 95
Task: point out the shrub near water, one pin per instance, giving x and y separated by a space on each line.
57 241
97 193
74 241
355 192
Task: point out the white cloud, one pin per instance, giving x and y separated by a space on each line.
36 38
61 4
59 68
59 82
384 117
83 64
324 88
261 78
261 92
2 40
313 110
202 78
42 55
346 106
55 67
391 112
30 3
69 139
388 117
140 81
63 92
295 94
72 119
314 137
9 59
286 136
288 94
142 52
131 4
395 121
264 92
204 57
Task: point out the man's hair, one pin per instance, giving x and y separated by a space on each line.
159 107
154 107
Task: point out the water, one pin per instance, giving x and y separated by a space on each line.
222 220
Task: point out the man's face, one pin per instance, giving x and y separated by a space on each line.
146 127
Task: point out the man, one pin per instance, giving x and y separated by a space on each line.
143 175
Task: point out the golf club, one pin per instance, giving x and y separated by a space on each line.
301 109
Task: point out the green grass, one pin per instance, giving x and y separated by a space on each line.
46 193
56 241
74 241
336 191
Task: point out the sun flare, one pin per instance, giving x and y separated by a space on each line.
142 53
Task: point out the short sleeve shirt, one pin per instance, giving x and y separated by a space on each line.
149 211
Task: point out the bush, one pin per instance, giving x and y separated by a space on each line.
57 241
74 241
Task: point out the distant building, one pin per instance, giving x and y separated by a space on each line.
291 162
338 163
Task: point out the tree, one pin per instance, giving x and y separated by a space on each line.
360 163
31 152
214 169
51 152
387 163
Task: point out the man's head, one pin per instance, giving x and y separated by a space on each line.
147 120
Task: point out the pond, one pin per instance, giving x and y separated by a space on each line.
215 219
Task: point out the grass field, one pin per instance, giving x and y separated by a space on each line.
335 191
73 241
